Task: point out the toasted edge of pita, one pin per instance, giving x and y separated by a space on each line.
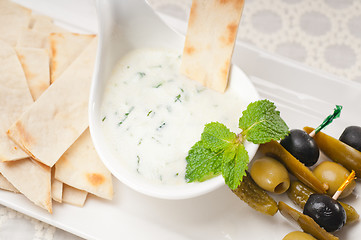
13 18
6 185
57 190
53 123
74 196
210 38
31 178
65 48
15 98
81 167
35 63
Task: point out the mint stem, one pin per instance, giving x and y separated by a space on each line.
240 137
328 120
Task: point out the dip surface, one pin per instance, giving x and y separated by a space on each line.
152 115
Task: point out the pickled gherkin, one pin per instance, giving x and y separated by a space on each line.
351 213
305 222
255 197
299 194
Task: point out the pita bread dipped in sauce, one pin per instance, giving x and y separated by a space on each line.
152 115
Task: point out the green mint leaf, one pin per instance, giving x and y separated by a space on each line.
261 123
230 153
202 163
234 169
217 137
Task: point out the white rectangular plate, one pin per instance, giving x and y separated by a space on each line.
303 95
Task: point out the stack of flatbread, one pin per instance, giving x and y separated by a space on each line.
46 151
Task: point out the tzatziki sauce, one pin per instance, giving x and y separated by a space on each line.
151 115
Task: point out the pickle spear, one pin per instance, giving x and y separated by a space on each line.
255 197
305 222
338 151
294 166
299 194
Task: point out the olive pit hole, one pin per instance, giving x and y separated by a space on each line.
281 187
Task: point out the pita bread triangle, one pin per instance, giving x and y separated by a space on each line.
35 63
74 196
6 185
65 47
35 184
44 24
36 35
33 39
53 123
15 98
210 38
57 190
63 192
81 167
13 19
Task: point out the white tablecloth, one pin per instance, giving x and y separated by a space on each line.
324 34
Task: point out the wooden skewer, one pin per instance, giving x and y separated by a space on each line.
350 177
312 134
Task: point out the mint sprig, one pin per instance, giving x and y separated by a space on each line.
221 151
261 123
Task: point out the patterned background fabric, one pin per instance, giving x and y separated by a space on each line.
324 34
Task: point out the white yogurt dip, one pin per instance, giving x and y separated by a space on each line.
152 115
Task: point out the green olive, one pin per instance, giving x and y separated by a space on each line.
334 175
270 175
295 167
298 235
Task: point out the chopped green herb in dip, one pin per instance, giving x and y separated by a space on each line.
161 114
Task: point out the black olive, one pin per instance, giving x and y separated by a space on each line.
326 211
352 137
302 146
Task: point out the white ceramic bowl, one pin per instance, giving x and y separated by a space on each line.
124 26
